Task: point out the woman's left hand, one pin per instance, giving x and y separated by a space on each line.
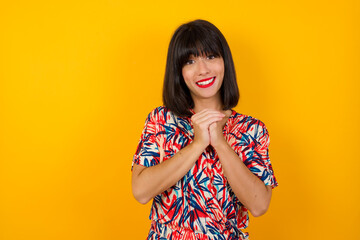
216 130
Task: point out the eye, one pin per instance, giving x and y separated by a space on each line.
190 61
211 56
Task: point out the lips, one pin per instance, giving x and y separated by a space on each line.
205 83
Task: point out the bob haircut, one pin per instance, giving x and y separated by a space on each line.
196 38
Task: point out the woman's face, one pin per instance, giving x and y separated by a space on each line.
203 76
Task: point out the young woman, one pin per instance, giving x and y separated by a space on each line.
203 164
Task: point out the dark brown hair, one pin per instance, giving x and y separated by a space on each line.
196 38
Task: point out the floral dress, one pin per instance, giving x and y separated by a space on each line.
201 205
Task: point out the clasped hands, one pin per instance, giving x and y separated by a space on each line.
208 127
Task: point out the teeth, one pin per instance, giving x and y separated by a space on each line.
205 82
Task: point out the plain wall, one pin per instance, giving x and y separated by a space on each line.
78 78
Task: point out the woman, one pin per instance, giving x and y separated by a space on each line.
203 164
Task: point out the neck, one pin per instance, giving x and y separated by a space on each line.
201 104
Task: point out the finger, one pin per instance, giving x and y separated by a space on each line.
208 115
202 117
206 122
205 112
212 126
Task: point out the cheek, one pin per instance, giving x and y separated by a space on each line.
186 75
221 70
218 67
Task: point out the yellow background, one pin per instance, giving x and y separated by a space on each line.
78 78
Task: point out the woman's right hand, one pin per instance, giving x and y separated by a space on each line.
201 122
148 182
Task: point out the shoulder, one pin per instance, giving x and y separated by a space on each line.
162 120
161 114
248 124
158 111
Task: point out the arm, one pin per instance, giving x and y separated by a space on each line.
248 188
147 182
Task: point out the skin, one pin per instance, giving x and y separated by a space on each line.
208 123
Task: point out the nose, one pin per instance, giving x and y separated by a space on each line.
203 67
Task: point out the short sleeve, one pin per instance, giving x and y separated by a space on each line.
147 153
258 160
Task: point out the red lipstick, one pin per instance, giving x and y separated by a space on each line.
205 83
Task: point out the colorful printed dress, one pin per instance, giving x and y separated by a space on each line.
202 205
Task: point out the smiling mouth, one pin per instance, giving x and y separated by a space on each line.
206 82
